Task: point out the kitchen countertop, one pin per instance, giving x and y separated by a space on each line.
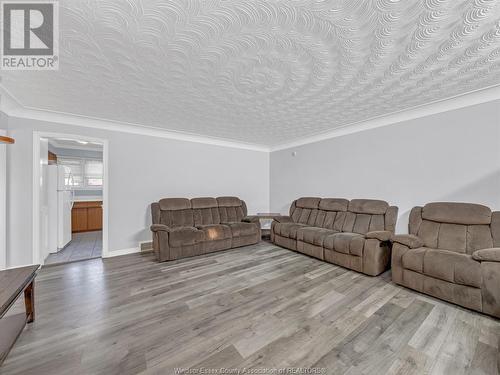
88 198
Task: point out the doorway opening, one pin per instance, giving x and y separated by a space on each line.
70 195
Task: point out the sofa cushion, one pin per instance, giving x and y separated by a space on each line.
205 211
313 235
174 204
347 243
288 230
308 202
229 201
215 232
183 236
177 218
240 229
231 209
205 202
333 204
368 206
452 237
479 237
457 213
449 266
206 216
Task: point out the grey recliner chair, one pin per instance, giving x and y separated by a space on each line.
452 253
188 227
354 234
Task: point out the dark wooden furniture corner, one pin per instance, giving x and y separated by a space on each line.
13 283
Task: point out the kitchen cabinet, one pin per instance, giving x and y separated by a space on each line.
86 216
52 158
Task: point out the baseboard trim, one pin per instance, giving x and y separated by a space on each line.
21 266
116 253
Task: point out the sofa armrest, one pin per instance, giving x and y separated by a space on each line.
381 235
161 248
487 255
159 227
283 219
409 240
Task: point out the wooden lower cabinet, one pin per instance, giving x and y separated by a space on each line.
86 216
79 218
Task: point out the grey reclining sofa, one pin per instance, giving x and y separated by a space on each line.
452 253
354 234
186 227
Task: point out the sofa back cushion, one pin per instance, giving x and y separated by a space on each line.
459 227
358 216
305 210
205 211
365 215
176 212
231 209
182 212
331 213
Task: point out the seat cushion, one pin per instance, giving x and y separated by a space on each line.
215 232
239 229
184 236
313 235
453 267
288 230
347 243
445 265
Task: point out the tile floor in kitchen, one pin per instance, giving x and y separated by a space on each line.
85 245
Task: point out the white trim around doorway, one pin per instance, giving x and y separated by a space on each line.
37 135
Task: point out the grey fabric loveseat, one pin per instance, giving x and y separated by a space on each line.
354 234
186 227
452 253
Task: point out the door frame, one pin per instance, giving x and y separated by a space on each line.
3 203
37 135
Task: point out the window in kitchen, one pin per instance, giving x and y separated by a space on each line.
86 173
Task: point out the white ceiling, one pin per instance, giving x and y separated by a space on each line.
263 72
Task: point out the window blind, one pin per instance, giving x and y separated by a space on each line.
87 173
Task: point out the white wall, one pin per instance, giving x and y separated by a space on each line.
142 169
451 156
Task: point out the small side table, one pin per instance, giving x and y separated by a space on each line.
13 283
265 220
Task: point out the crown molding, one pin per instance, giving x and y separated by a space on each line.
12 107
468 99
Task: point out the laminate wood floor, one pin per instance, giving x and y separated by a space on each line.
259 307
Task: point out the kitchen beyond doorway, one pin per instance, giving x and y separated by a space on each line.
71 199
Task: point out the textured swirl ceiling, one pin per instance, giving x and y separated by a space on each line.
262 72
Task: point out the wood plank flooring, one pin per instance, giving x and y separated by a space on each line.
254 307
